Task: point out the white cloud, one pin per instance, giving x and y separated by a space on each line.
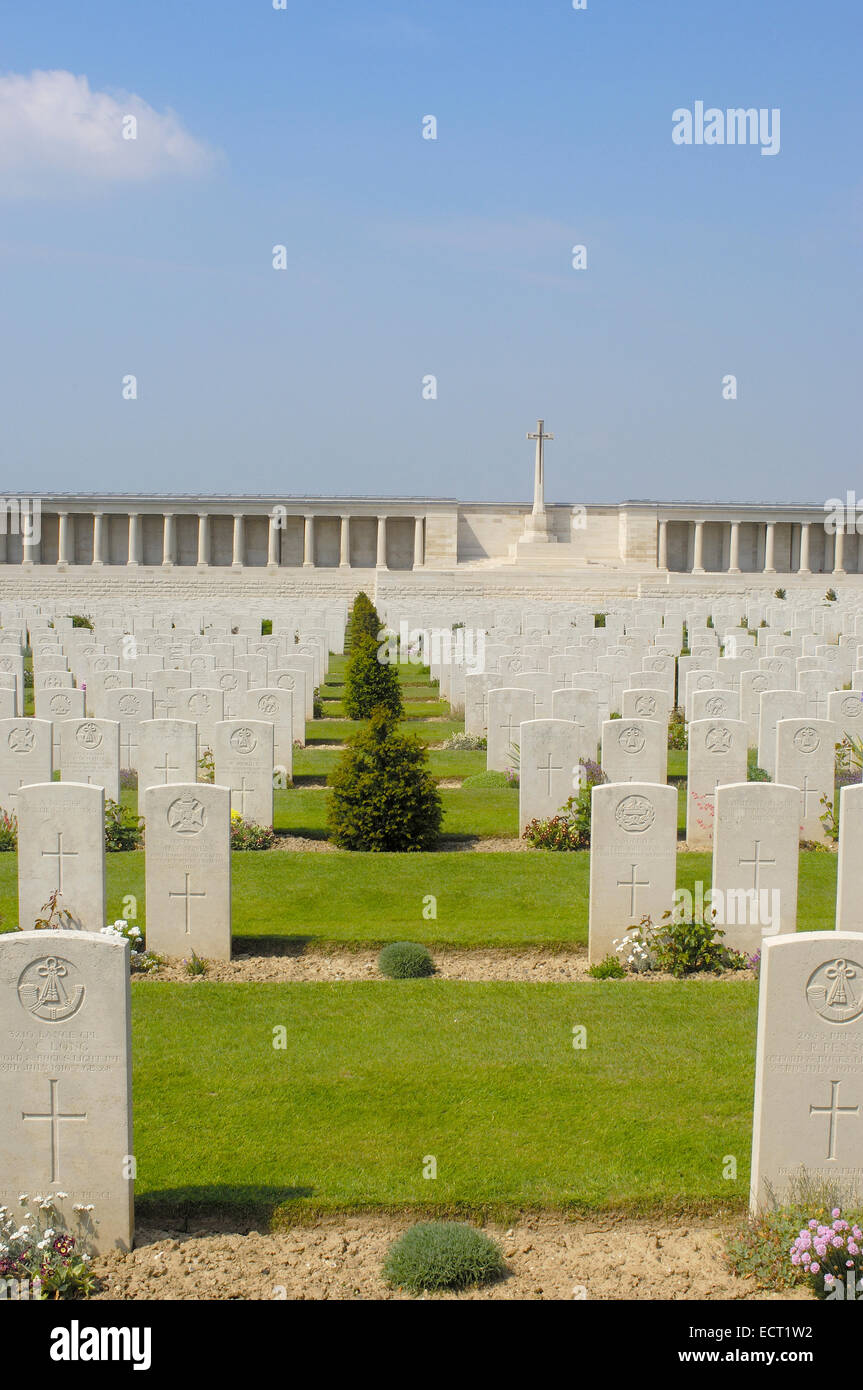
56 135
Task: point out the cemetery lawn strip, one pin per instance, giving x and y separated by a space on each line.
518 899
484 812
374 1076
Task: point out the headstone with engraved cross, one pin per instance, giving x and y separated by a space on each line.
805 756
508 707
756 837
635 750
90 752
243 751
188 869
25 756
61 848
633 843
717 754
550 751
168 752
67 1084
130 708
808 1119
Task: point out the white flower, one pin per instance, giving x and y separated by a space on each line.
61 1194
22 1198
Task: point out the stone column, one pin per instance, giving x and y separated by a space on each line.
203 540
239 547
381 561
770 548
272 544
63 541
28 549
839 549
308 541
803 567
168 541
663 545
418 543
698 549
2 547
98 539
345 543
134 557
734 549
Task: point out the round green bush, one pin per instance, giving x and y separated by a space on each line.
442 1255
405 960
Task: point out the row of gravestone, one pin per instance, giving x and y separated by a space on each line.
244 754
65 1034
753 889
61 858
548 752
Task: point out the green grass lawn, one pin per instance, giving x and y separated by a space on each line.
519 899
337 730
484 1077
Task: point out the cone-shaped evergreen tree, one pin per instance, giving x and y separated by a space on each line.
383 796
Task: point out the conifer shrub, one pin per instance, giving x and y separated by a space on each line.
363 621
383 796
370 683
405 960
442 1255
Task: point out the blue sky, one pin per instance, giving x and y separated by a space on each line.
409 257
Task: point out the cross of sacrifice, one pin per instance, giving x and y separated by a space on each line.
54 1116
549 768
755 864
632 883
59 854
834 1110
540 438
188 895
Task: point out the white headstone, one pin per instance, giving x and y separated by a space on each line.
90 752
717 754
61 848
756 838
635 750
67 1083
548 767
808 1121
168 752
244 762
188 870
507 709
633 841
25 756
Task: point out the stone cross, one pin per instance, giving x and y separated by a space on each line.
539 468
